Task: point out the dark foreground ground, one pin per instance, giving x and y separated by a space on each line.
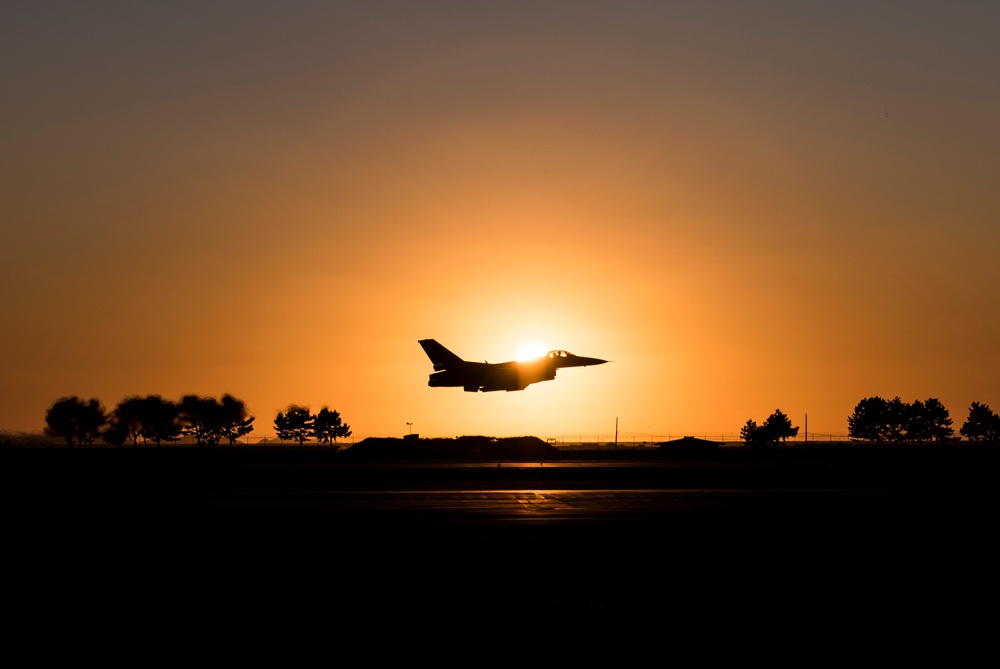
851 542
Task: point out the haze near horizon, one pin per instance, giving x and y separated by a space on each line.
744 207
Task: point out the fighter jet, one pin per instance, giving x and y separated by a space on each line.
451 371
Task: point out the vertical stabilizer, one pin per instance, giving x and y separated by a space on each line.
439 355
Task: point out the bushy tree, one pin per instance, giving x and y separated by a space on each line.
982 424
894 420
328 427
113 436
294 424
918 427
878 420
150 418
201 418
937 423
72 418
155 419
236 420
62 419
868 420
127 419
752 435
160 420
776 428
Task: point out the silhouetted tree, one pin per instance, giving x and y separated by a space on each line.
935 421
328 427
72 418
877 420
895 418
236 420
160 420
150 418
127 419
294 424
201 417
113 436
776 428
918 422
867 423
752 435
982 424
94 418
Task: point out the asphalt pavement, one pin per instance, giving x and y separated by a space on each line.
245 539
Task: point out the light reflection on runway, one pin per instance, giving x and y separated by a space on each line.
592 505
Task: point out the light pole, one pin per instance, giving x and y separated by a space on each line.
409 428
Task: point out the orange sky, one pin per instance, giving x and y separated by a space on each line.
744 208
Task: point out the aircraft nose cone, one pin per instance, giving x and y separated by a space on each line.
586 362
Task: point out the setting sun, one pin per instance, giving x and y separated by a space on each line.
531 351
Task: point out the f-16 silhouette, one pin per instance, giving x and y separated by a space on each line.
452 371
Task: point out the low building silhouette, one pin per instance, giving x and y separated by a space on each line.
689 445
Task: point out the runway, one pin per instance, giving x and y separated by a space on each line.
581 539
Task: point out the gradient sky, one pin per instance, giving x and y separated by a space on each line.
745 206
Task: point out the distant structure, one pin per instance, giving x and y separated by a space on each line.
689 445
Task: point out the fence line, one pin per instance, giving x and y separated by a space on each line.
626 440
580 441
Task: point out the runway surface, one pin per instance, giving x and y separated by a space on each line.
580 539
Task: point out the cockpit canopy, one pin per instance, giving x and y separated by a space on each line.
560 354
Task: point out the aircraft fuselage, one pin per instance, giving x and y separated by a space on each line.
452 371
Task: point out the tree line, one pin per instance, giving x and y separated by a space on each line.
297 424
877 420
153 419
209 421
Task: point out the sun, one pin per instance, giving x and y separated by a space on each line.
531 351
